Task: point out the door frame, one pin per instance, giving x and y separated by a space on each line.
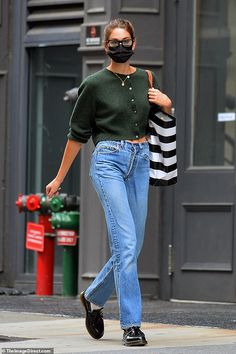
179 55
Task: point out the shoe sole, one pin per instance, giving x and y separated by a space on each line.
135 343
92 334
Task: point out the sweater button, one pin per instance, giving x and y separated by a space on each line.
130 88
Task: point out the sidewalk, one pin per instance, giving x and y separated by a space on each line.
66 333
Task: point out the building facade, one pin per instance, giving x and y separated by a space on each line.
47 48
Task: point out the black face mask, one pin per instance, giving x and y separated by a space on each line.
120 54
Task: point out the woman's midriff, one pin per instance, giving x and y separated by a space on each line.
140 140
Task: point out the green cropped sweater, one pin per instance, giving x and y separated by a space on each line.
106 110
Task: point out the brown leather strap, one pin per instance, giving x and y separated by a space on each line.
150 78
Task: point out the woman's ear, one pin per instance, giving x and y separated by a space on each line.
105 45
134 45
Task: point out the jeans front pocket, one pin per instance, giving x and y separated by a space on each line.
107 147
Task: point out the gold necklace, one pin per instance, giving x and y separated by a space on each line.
122 81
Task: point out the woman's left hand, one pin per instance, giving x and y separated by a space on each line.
157 97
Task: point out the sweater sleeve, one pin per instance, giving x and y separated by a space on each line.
155 81
82 117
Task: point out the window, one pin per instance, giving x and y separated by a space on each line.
215 84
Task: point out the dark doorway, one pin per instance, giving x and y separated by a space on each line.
54 70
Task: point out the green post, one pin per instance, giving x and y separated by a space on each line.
70 270
67 221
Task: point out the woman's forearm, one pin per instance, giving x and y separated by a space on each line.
71 151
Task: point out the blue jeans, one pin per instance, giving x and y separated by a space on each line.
120 175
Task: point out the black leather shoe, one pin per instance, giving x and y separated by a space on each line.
94 319
133 336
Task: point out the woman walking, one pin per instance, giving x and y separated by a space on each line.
112 108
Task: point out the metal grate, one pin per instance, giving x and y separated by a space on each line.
53 20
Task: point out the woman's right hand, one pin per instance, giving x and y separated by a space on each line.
52 188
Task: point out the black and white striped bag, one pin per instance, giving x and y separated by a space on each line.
162 147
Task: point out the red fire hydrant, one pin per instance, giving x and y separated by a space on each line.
40 238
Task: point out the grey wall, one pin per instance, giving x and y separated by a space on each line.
15 134
11 141
4 32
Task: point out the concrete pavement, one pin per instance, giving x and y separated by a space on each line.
68 335
156 311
